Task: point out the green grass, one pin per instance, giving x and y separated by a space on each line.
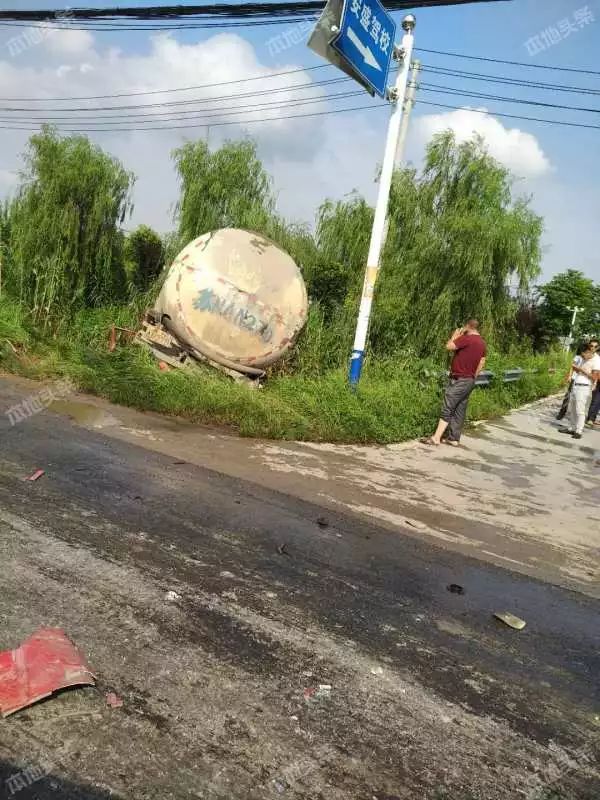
398 399
12 326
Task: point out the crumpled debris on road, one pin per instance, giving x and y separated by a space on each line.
319 692
509 619
415 523
113 700
43 664
37 474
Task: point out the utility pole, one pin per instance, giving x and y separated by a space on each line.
408 107
383 196
575 310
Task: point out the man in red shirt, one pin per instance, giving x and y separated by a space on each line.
469 351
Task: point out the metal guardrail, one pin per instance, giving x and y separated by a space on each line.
512 375
486 377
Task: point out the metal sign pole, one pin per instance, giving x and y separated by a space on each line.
383 196
575 311
409 103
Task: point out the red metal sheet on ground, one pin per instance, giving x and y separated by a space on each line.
37 474
44 663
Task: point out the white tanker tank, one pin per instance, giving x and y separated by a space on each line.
232 298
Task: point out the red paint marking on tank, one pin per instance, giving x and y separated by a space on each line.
204 240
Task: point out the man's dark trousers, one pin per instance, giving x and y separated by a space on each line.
595 405
454 410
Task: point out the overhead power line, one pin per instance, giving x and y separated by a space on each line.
84 114
442 71
164 126
176 12
510 116
478 76
67 122
434 87
118 27
160 91
194 113
209 124
256 93
531 65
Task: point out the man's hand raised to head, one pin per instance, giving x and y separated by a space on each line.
450 343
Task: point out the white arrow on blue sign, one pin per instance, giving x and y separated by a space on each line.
366 41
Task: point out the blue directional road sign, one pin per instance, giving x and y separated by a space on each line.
366 41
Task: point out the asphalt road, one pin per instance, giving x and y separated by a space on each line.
429 696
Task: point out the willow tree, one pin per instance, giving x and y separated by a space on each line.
342 237
457 240
224 188
144 253
65 245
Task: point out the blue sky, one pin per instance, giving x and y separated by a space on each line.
558 166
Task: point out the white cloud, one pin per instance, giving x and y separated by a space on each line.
310 159
8 180
64 70
571 237
516 149
68 43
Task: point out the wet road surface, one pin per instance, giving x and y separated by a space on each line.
429 696
517 494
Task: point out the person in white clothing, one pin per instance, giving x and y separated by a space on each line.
586 372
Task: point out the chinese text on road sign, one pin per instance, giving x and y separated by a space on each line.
366 41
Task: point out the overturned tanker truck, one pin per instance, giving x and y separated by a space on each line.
232 299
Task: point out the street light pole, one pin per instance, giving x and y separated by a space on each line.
383 196
409 103
575 310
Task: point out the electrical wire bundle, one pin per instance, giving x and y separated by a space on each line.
288 94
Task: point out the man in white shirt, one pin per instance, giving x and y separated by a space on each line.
593 417
586 372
